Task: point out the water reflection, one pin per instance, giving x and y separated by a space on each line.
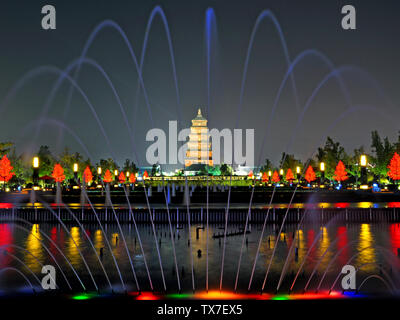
33 245
329 239
366 249
73 247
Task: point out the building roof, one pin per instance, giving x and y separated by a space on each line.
199 116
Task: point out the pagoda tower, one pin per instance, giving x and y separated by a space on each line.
199 145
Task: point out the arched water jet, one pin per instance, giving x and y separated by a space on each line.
353 109
47 250
290 253
315 267
351 259
107 242
225 231
69 234
210 24
376 277
265 14
172 237
123 239
55 245
2 270
190 240
25 265
348 262
158 10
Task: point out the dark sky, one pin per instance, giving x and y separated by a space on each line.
373 48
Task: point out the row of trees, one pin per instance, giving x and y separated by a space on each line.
379 167
22 164
382 163
87 175
340 174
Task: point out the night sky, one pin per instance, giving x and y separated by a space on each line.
370 77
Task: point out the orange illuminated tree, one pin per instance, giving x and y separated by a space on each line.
289 175
275 177
132 178
394 167
251 175
264 178
121 177
107 176
310 174
58 173
340 172
87 175
145 174
5 170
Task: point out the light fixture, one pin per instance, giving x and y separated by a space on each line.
99 170
322 166
363 160
75 167
35 162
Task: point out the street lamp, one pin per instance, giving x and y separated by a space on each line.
363 178
99 171
75 168
35 177
298 173
363 160
322 169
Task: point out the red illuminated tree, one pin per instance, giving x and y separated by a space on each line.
310 174
275 177
340 172
251 175
121 177
58 173
289 175
87 175
264 178
394 167
132 178
145 174
107 176
5 170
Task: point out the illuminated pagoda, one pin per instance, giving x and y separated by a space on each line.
199 145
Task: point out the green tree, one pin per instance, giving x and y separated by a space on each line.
225 169
288 161
46 161
22 169
267 166
330 154
109 164
353 163
130 166
382 151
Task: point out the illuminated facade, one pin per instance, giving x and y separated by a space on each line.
199 146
